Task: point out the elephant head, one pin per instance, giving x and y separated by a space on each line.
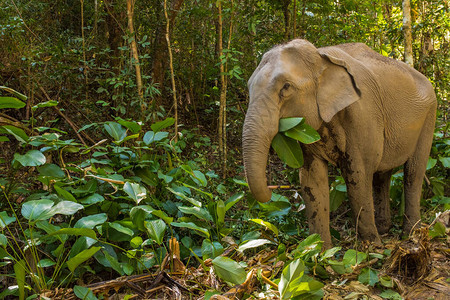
293 80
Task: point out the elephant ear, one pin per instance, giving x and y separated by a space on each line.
338 86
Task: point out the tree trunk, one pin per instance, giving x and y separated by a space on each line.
160 53
134 52
172 77
407 32
223 92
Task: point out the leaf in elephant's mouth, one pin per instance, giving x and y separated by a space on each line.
285 142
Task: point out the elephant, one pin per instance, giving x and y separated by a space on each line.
373 114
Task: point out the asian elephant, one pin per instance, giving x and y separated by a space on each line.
373 114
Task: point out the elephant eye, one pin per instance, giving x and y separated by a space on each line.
285 90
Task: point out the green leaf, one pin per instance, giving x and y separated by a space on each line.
292 271
18 133
220 212
189 225
431 163
390 294
120 228
49 103
336 199
136 242
51 170
199 212
184 197
267 225
288 150
115 130
303 133
11 102
288 123
91 221
352 257
45 263
32 158
229 270
386 281
253 244
134 126
233 200
33 210
156 230
438 230
64 194
20 271
135 191
163 124
92 199
368 276
76 231
445 161
330 253
150 137
3 240
199 178
5 220
14 92
211 249
84 293
81 257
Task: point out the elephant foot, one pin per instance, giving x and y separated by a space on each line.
370 235
383 226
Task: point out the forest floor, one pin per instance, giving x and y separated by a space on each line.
419 268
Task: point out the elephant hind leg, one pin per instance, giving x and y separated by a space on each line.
381 184
414 170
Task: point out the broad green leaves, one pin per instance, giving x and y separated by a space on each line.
285 142
37 210
229 270
11 102
32 158
288 150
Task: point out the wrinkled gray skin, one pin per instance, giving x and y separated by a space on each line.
373 114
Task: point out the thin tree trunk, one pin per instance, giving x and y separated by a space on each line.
134 52
294 16
172 76
159 62
85 71
223 93
407 32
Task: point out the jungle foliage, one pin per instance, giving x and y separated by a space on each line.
96 183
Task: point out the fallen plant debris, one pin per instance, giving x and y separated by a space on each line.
418 268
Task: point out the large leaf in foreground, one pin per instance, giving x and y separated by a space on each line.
294 270
303 133
229 270
81 257
288 123
10 102
288 150
32 158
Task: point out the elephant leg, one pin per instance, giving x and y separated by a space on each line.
359 190
381 185
414 172
315 193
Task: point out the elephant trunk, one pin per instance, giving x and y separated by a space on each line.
257 136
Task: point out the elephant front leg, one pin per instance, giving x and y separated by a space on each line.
359 190
315 193
381 184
